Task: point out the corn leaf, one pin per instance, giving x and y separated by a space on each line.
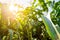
49 27
10 34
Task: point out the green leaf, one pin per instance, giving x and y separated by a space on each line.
4 37
49 27
43 5
11 34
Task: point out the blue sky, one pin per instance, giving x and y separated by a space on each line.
56 0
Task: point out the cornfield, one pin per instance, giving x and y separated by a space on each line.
39 21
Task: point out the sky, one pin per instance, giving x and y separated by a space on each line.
56 0
15 1
23 3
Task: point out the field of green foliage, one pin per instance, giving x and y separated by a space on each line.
40 21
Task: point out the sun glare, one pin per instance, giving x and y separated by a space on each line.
13 8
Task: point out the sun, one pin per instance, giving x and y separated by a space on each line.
13 8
